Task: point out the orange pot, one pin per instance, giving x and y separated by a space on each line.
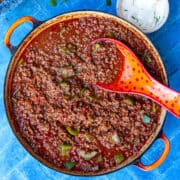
42 26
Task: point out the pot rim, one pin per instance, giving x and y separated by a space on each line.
71 15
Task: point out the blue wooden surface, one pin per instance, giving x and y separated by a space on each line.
17 164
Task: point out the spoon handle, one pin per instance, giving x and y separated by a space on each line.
154 90
163 95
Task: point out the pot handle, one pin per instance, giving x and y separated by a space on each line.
159 161
14 26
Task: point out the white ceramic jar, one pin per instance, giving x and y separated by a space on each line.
147 15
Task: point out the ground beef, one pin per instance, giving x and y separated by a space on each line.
64 117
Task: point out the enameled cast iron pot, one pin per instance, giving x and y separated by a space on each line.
40 26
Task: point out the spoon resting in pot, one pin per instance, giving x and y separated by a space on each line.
134 79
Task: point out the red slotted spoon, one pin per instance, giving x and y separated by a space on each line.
133 78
